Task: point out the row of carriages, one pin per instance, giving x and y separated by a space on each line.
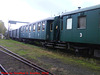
79 27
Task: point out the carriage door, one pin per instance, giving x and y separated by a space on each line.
51 30
56 29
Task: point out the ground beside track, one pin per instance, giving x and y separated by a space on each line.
56 62
12 65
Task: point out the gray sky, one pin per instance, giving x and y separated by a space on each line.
33 10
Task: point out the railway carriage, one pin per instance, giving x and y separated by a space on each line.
37 30
13 34
81 26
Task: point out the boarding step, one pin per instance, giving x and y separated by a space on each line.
49 45
60 47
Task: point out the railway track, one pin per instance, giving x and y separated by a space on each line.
2 70
25 61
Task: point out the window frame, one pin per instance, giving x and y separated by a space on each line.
26 28
30 28
43 25
79 26
39 26
22 29
69 25
51 28
34 27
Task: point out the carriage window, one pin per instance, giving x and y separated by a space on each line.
26 28
38 26
43 25
51 25
21 29
69 23
29 27
16 31
82 22
33 27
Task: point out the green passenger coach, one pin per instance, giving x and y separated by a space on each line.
81 26
37 30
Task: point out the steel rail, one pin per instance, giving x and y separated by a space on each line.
20 58
3 70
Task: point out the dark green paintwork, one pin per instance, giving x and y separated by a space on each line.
89 35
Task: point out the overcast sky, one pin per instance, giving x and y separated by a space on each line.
33 10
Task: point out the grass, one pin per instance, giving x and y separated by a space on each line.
34 52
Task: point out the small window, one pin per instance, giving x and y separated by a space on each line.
38 26
21 29
43 25
51 25
82 22
33 27
56 27
29 27
26 28
69 23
